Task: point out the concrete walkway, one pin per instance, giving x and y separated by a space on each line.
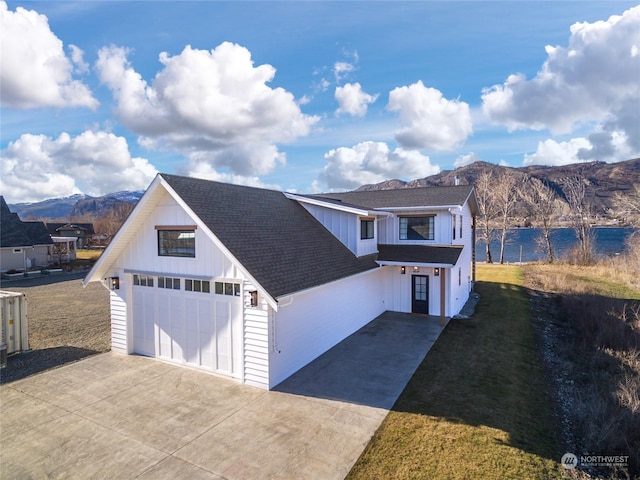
114 416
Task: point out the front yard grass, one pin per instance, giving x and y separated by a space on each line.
477 406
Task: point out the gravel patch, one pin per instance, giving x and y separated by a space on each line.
66 323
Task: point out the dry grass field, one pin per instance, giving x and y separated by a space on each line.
66 323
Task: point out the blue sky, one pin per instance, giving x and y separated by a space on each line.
98 97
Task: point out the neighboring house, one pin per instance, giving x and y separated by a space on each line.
256 283
82 232
23 245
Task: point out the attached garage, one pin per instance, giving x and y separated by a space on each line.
194 328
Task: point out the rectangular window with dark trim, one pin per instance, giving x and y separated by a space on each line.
460 227
454 218
227 288
143 280
169 282
366 229
417 228
176 243
203 286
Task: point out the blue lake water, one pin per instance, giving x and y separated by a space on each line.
609 241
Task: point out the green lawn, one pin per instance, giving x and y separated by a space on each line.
476 407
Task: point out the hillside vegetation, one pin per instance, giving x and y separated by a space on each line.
603 180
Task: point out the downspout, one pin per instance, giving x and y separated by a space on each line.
274 345
443 287
473 252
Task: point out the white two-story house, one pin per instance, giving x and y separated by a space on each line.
255 284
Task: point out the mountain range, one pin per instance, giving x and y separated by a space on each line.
602 181
73 207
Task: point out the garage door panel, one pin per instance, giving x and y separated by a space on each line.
206 336
143 331
191 322
223 336
163 322
201 330
178 334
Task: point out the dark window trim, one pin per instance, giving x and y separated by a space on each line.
431 231
365 223
188 251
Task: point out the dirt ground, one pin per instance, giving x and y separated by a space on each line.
66 323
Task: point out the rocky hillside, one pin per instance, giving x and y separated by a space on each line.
603 179
68 208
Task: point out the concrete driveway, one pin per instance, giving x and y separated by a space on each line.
114 416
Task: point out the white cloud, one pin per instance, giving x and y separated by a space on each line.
372 162
428 120
35 70
205 171
211 105
36 167
593 79
353 100
467 159
77 57
341 70
602 145
551 152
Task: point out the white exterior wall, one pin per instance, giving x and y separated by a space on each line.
14 258
119 328
345 227
460 280
141 255
309 323
256 340
398 288
389 228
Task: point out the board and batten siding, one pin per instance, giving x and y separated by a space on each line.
389 228
310 322
343 225
256 340
119 335
141 253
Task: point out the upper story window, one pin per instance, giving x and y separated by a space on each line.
367 228
416 228
455 217
176 241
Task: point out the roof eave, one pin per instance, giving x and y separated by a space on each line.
332 206
383 263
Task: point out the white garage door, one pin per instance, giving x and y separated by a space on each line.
199 329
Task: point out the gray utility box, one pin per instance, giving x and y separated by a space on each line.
14 331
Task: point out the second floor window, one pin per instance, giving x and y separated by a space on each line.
416 228
176 243
366 229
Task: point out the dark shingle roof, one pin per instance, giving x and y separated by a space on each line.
281 245
16 233
403 197
420 253
54 228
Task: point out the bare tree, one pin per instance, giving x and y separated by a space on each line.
110 222
543 206
487 212
627 206
575 192
505 197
